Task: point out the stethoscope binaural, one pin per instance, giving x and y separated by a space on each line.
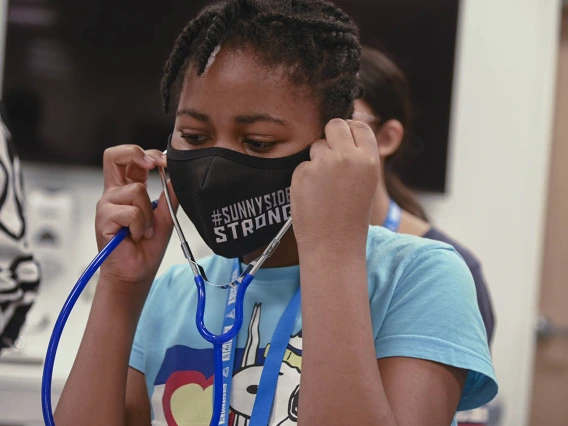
241 283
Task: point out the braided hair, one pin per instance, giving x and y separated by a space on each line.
314 40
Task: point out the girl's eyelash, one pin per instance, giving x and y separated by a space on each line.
253 145
195 139
259 145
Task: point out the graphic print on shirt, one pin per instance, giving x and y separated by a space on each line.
183 389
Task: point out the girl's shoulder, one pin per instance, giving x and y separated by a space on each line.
398 263
424 305
395 250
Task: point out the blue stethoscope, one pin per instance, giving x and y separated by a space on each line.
223 344
238 286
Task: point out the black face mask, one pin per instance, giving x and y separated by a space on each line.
237 202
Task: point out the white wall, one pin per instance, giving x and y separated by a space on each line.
498 168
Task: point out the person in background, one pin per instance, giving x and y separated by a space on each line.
19 272
386 108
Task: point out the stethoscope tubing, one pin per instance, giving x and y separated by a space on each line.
217 340
47 377
201 302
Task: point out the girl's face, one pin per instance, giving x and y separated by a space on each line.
241 105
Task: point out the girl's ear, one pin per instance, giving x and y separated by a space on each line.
389 137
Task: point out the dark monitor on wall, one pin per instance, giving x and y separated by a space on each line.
82 76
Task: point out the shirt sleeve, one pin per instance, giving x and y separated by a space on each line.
483 301
483 294
433 315
137 352
19 271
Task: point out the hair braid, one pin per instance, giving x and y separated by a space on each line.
337 13
315 41
217 32
181 50
310 22
213 37
322 6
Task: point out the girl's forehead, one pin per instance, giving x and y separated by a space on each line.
236 80
232 69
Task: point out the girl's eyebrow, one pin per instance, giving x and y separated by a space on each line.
239 119
255 117
193 113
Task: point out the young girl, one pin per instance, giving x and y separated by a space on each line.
388 333
386 108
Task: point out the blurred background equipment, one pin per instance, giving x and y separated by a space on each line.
80 77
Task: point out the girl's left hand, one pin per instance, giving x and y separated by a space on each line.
332 195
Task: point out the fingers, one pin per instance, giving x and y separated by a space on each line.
344 134
136 174
318 148
125 216
163 219
128 206
338 134
158 156
363 136
348 142
129 163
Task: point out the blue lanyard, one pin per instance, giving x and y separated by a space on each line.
273 362
392 221
228 351
271 370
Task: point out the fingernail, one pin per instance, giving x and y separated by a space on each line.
149 160
150 232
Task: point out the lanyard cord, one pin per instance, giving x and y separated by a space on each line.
394 215
264 400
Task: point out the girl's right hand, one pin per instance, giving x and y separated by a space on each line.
126 203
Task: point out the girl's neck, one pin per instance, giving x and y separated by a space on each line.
381 204
409 224
286 254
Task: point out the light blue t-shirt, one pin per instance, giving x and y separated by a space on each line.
423 305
